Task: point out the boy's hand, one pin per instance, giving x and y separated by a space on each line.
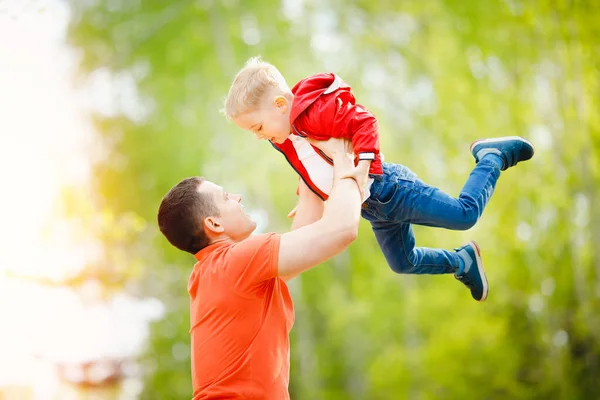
360 174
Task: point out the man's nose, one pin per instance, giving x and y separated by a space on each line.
237 197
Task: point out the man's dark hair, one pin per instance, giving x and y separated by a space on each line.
182 212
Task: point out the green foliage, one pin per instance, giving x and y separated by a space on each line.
438 74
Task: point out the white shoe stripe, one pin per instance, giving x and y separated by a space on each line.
501 139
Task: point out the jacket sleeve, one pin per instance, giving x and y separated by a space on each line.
337 115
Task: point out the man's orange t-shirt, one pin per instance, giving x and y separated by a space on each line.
241 314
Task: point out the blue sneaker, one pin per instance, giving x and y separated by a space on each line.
473 275
511 149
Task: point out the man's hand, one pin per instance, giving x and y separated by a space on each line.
336 147
360 174
333 146
292 213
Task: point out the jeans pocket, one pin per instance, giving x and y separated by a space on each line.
387 193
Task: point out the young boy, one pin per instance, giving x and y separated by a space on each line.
321 107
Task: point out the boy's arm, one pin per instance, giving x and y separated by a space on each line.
309 208
313 244
337 115
363 129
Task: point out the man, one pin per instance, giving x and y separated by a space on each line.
240 309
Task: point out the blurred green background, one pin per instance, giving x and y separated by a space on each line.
438 74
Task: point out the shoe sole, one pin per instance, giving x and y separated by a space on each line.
484 281
504 139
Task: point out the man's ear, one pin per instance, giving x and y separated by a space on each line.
281 102
212 225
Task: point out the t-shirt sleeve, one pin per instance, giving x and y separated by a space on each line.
253 263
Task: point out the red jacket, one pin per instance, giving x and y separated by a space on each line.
325 107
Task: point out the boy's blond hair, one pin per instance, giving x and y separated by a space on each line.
249 86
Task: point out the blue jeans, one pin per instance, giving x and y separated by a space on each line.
399 199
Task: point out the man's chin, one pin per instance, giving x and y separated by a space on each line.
251 229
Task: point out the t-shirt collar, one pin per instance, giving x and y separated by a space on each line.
209 249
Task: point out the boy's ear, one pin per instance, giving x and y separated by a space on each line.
281 103
212 225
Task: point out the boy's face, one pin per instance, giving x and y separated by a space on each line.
270 121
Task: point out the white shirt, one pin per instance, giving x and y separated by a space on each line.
319 170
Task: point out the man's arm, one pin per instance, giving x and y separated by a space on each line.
313 244
309 209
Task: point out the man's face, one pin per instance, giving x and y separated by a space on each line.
233 218
270 121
